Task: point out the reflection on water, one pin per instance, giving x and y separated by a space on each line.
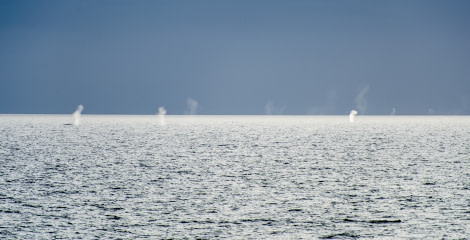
234 177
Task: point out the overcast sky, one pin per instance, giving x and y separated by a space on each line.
235 57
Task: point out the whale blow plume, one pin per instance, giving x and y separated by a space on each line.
77 115
352 115
161 115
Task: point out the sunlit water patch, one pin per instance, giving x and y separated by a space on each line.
237 177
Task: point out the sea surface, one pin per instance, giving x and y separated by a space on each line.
234 177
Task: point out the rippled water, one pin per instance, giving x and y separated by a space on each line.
237 177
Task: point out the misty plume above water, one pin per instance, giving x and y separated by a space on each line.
77 115
352 115
361 101
271 109
161 115
192 106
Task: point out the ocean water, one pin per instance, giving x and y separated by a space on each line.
234 177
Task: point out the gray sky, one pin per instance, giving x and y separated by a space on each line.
235 57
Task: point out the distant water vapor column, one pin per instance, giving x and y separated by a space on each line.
268 108
361 102
352 115
77 115
192 106
271 109
161 115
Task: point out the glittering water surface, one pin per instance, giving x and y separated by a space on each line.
237 177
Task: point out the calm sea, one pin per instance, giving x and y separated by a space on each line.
235 177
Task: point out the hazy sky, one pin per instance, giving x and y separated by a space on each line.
235 57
